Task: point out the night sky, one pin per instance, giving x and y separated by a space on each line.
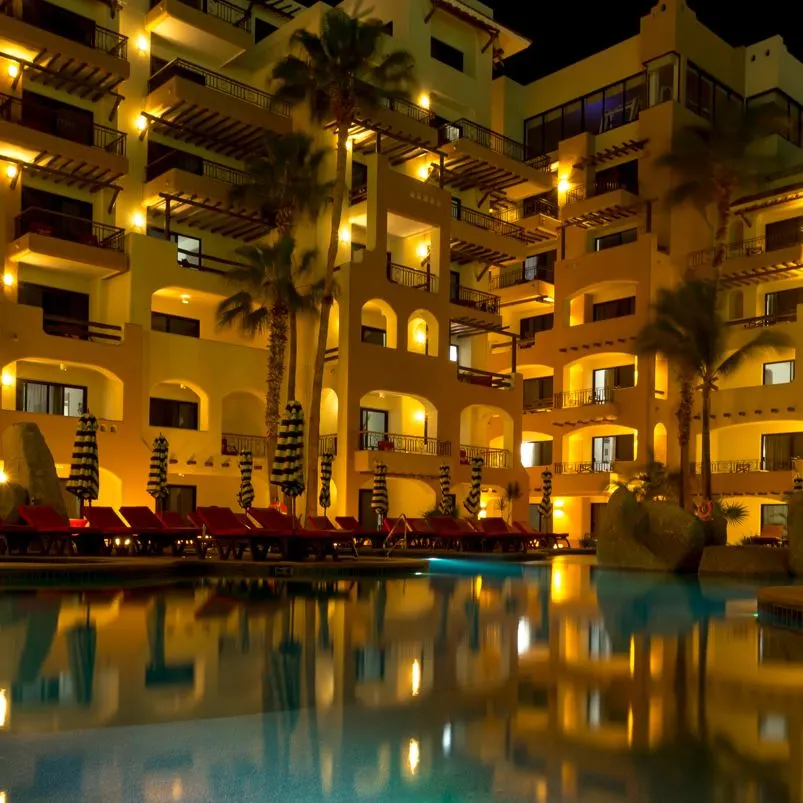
564 32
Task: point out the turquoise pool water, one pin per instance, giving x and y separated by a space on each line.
473 683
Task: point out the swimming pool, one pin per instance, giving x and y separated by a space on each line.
474 682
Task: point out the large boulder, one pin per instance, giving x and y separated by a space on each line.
656 536
794 531
12 496
29 463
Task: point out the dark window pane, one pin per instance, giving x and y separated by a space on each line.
172 413
446 54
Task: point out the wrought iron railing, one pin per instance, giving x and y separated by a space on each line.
765 320
224 11
522 274
62 124
494 141
407 108
412 277
533 405
35 220
219 83
493 458
488 222
81 330
476 299
327 444
747 248
35 12
581 192
528 208
190 163
748 465
489 379
404 444
590 467
196 260
583 398
233 443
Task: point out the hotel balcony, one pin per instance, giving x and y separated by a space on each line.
400 453
232 444
55 241
213 27
397 128
479 158
485 379
536 214
589 477
190 104
540 278
480 237
757 260
492 458
62 49
184 188
413 278
477 300
53 143
600 204
750 477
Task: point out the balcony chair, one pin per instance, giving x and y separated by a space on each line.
156 535
57 536
297 543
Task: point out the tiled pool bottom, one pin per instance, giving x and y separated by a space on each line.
561 683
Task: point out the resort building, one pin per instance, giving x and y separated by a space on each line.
500 248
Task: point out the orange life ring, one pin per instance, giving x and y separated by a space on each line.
705 510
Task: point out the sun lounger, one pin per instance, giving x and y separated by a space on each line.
230 536
321 524
15 538
155 535
499 534
298 543
456 534
119 536
374 538
57 536
539 540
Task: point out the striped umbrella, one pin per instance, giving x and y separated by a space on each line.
157 473
379 493
325 496
472 502
83 481
288 462
797 483
245 496
545 505
445 506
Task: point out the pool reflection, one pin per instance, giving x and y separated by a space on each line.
527 683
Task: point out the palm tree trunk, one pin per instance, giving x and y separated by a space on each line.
683 415
292 356
277 347
314 417
706 446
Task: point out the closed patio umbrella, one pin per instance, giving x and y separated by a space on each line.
379 493
325 496
545 505
245 496
81 646
83 481
288 462
797 483
472 502
157 473
445 507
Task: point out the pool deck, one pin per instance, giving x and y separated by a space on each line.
782 606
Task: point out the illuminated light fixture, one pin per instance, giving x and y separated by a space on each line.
422 251
3 477
11 170
554 167
8 279
558 513
547 299
7 380
564 185
138 220
423 172
420 415
423 100
559 503
421 338
141 122
13 69
415 677
185 298
142 44
345 234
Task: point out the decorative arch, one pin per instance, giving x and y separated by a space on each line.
423 333
377 314
412 420
659 443
488 427
184 390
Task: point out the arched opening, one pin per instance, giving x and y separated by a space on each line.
602 301
659 444
243 423
487 432
61 388
594 379
329 413
538 386
398 422
422 333
177 404
536 449
600 448
378 323
756 446
736 305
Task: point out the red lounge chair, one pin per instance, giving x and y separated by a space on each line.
155 535
419 533
297 543
498 533
456 534
321 524
375 538
542 540
57 536
15 538
230 535
119 536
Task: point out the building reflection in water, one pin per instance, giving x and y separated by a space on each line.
526 683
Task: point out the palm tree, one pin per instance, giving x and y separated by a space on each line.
714 161
285 184
275 288
340 70
688 328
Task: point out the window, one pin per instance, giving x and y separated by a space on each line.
57 118
373 335
57 305
623 376
454 352
51 398
188 248
784 233
782 303
538 393
446 54
535 323
175 324
707 97
779 373
608 448
56 216
788 112
772 728
536 453
617 238
617 308
181 498
263 29
623 176
540 266
773 515
662 75
60 21
174 414
779 450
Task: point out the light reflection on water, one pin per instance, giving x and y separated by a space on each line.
520 684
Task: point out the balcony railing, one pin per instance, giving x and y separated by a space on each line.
522 274
35 220
493 458
219 83
190 163
580 193
227 12
61 123
81 330
408 109
476 299
591 467
405 444
40 14
488 379
412 277
533 405
233 443
528 208
327 445
765 320
498 143
747 248
746 466
583 398
488 222
194 260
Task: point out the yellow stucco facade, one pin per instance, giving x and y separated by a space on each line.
478 211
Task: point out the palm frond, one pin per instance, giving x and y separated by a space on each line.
767 339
